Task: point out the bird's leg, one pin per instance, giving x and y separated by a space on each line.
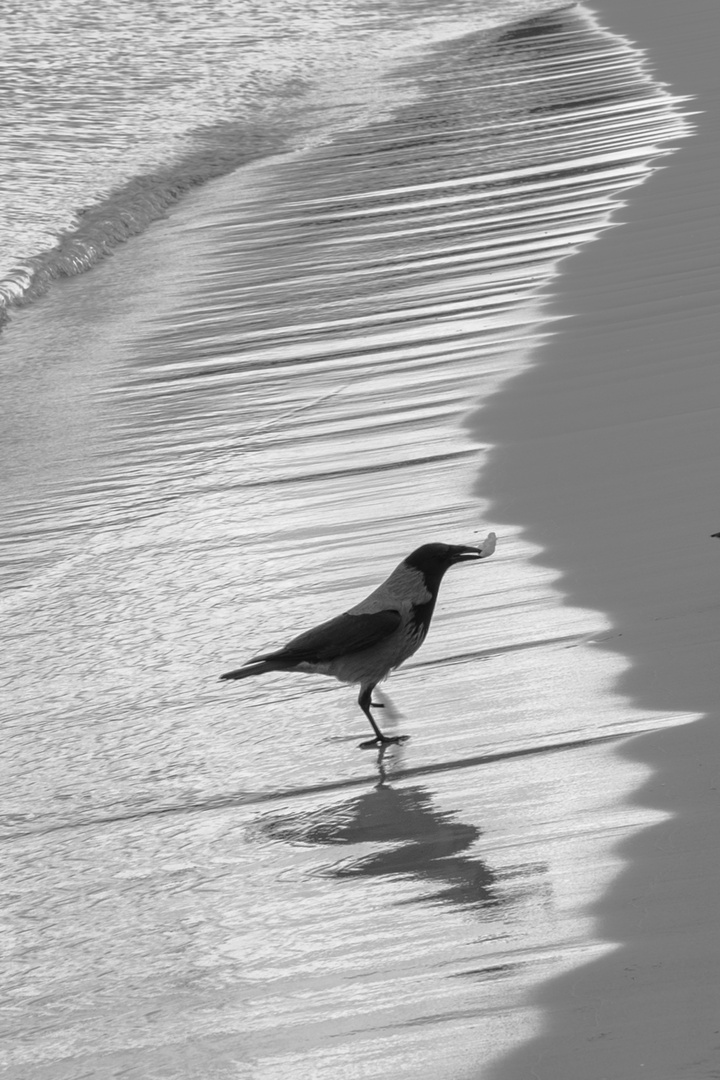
366 703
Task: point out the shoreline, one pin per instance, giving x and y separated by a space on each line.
286 379
620 409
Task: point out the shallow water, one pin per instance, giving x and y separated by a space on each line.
114 111
211 880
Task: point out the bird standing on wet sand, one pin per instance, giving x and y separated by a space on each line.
376 636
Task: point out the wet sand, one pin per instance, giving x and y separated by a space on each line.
608 457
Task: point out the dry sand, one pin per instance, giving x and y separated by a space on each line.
609 456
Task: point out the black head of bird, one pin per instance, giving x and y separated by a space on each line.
377 635
433 560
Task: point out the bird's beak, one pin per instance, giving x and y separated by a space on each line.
466 554
715 534
461 553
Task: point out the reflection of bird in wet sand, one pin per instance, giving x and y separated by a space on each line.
376 636
395 834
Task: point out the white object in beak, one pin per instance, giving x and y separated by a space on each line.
488 545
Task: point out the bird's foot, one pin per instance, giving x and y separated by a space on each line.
384 740
377 704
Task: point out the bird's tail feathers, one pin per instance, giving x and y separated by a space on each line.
253 667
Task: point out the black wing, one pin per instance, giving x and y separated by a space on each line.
339 636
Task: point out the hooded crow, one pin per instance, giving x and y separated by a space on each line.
366 643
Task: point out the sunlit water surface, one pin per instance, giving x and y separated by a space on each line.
114 109
249 415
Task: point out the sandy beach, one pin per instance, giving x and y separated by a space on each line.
608 457
236 427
